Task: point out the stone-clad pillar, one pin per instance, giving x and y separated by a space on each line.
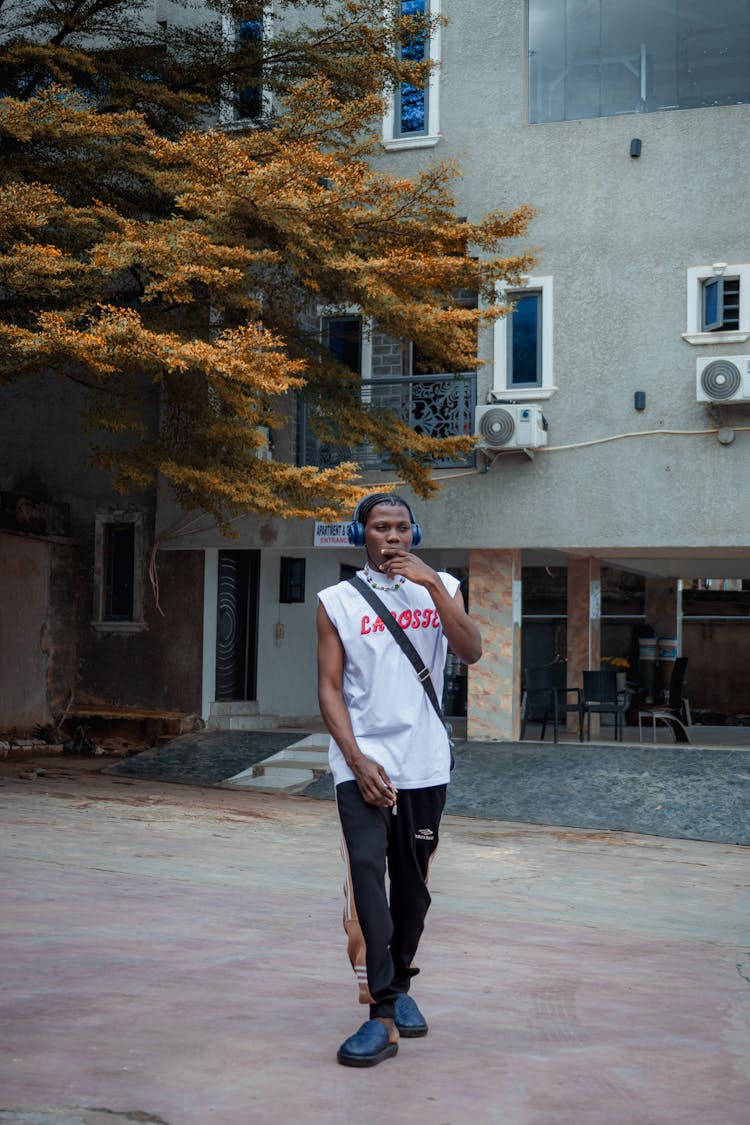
494 693
584 626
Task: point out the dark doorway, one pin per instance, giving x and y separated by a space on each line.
237 620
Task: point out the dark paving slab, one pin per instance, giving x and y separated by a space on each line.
682 792
205 757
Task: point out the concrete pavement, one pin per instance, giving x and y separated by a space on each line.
174 954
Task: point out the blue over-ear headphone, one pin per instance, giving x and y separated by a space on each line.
356 529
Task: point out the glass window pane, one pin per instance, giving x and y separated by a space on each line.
591 58
525 340
712 293
584 63
119 563
546 60
411 108
412 116
713 48
345 341
250 96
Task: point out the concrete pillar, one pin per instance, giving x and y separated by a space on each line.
494 693
584 625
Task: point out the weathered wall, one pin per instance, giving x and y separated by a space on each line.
24 565
159 666
45 455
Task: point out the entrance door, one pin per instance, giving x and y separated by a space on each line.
237 625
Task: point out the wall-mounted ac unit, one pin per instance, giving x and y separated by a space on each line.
515 425
723 378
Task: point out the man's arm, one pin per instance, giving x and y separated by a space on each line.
463 636
374 783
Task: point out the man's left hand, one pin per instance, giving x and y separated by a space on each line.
396 563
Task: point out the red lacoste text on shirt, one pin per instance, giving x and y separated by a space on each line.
407 619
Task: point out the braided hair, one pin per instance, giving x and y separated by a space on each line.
370 502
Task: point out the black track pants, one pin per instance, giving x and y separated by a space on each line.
383 930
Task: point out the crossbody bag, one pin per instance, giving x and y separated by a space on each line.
408 649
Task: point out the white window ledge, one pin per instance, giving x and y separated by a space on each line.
241 124
522 394
715 337
119 626
397 143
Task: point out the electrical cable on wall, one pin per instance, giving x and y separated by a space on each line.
191 525
449 476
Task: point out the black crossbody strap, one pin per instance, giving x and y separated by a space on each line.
401 639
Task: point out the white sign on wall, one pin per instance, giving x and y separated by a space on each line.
331 535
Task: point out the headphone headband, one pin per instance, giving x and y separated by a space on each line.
356 529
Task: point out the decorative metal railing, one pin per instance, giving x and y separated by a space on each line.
437 405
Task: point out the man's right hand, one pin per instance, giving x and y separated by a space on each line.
374 783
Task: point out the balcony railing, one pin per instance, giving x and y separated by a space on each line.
437 405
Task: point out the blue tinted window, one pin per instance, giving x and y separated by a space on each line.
411 101
525 332
711 310
721 304
250 99
598 58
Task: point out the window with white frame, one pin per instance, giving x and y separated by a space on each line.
718 304
523 343
413 117
248 101
118 571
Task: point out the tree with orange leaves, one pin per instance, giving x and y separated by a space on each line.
165 262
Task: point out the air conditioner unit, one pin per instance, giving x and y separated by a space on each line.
515 425
723 378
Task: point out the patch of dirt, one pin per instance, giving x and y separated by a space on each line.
82 777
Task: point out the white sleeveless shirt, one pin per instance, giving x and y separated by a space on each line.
393 720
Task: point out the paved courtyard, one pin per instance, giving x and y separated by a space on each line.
174 954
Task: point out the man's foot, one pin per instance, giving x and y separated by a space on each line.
368 1046
408 1018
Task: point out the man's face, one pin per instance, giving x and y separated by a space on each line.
388 529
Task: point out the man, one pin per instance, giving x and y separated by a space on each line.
390 758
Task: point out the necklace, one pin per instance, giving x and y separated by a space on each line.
377 586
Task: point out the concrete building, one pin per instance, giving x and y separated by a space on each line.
614 470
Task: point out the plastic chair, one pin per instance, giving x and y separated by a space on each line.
605 693
675 713
545 696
